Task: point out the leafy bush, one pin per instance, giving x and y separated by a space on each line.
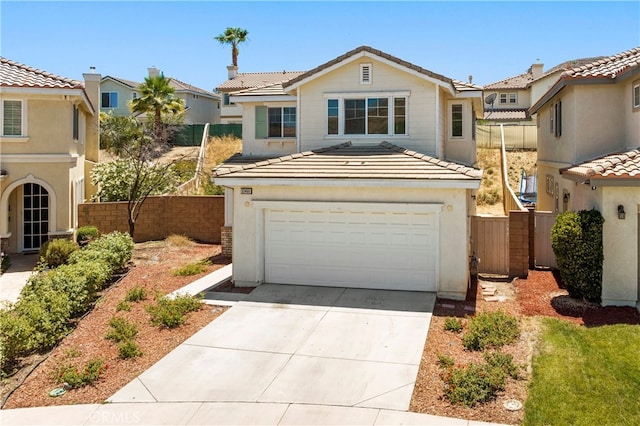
5 262
184 170
136 294
491 329
453 324
129 349
502 362
46 311
576 239
192 268
15 330
170 313
86 234
56 252
114 249
121 330
445 361
80 282
472 384
115 179
77 377
123 305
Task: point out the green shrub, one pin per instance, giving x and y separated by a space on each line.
77 377
453 324
123 305
445 361
136 294
121 330
192 268
472 384
56 252
492 329
129 349
114 248
5 262
86 234
184 170
170 313
15 330
502 362
576 239
47 312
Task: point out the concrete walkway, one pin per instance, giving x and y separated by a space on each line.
283 355
12 281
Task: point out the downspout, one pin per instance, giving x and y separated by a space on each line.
298 116
437 121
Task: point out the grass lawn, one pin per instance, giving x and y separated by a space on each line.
585 376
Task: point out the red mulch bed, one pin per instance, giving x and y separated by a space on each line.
539 295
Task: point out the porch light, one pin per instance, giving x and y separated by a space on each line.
621 214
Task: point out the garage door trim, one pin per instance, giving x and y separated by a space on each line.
262 205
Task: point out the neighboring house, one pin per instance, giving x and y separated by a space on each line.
49 143
357 173
589 157
201 106
232 112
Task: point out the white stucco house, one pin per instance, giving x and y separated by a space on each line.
357 173
589 157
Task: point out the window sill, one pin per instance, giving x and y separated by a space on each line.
14 139
352 136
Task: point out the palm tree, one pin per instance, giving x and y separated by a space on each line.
157 97
233 36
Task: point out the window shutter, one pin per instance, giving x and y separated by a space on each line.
261 122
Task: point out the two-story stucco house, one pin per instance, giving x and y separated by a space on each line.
48 145
589 157
357 173
201 106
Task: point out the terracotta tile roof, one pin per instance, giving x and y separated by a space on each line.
251 80
506 114
346 161
518 82
609 67
618 165
14 74
274 89
567 65
459 86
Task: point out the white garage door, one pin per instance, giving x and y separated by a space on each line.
381 250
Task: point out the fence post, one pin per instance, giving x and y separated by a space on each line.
532 238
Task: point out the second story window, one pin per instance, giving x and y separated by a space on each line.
226 101
508 98
282 122
636 95
76 123
109 100
456 121
12 122
557 118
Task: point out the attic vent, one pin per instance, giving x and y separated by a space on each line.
365 73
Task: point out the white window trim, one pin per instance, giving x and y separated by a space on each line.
341 96
23 113
635 86
451 105
281 108
368 67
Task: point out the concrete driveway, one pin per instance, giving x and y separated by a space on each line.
298 345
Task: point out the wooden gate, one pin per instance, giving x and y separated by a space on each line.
543 252
490 243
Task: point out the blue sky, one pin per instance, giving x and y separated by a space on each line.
490 40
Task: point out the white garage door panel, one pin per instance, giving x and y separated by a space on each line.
352 249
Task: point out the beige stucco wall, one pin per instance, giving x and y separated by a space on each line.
125 95
523 98
460 149
264 147
421 115
454 228
620 281
49 157
631 115
202 109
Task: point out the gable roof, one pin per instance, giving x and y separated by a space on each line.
455 84
620 165
178 85
14 74
354 162
250 80
607 69
517 82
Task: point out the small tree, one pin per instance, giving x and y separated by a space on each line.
137 173
576 239
233 36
